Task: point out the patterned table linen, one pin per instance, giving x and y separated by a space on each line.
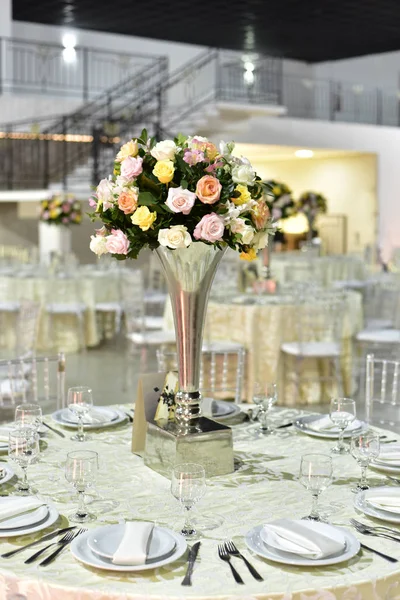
263 488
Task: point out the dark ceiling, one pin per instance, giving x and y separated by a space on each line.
309 30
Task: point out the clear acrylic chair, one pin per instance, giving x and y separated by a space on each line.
318 336
221 372
382 392
64 298
302 271
27 328
33 379
109 301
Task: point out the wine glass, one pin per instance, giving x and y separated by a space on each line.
316 476
28 415
188 485
364 448
80 402
265 397
342 414
81 469
23 449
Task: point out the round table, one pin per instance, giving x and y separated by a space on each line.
262 324
263 488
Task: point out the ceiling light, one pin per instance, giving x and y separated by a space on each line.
249 66
69 40
69 54
304 153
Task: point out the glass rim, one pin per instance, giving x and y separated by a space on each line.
342 399
181 466
80 388
17 431
28 405
316 454
83 454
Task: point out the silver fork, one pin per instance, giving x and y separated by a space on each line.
67 538
375 527
231 548
224 555
60 548
365 530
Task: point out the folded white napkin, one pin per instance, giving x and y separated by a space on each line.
13 506
94 416
325 424
387 503
389 454
307 538
133 547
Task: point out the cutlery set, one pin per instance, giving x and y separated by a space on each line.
377 531
69 535
228 550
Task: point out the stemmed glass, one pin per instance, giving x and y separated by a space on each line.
81 470
342 414
316 476
265 397
364 448
188 485
80 402
29 415
23 449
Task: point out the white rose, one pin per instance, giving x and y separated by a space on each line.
176 236
180 200
98 244
246 231
164 150
244 174
104 193
260 240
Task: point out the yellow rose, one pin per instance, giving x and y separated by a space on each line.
250 255
164 170
276 190
128 149
244 197
143 218
54 213
78 219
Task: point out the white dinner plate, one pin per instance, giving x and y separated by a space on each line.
255 543
8 474
29 519
361 503
58 417
385 468
305 425
99 415
219 409
52 516
105 541
81 551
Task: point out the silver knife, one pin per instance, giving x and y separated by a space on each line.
191 559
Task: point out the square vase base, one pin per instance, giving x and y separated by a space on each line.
212 448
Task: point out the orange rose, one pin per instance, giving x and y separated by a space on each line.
211 150
128 201
260 214
208 189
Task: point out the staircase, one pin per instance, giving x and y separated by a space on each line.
203 96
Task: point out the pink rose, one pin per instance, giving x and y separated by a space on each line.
210 228
208 189
66 207
180 200
65 220
131 167
117 242
45 215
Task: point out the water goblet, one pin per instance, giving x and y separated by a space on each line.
364 448
23 449
342 414
188 486
81 470
80 402
29 415
315 476
265 397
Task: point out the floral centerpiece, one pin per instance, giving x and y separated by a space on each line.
279 200
61 209
312 204
175 192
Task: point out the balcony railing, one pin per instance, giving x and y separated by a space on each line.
29 67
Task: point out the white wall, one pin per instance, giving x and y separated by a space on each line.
374 70
383 141
347 182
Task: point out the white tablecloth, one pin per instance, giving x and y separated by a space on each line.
264 488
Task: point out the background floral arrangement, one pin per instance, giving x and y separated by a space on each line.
279 200
61 209
175 192
312 204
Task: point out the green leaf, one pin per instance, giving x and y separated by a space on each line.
147 199
184 184
180 139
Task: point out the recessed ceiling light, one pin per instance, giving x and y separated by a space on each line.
304 153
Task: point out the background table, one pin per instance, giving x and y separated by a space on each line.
263 488
263 327
327 269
